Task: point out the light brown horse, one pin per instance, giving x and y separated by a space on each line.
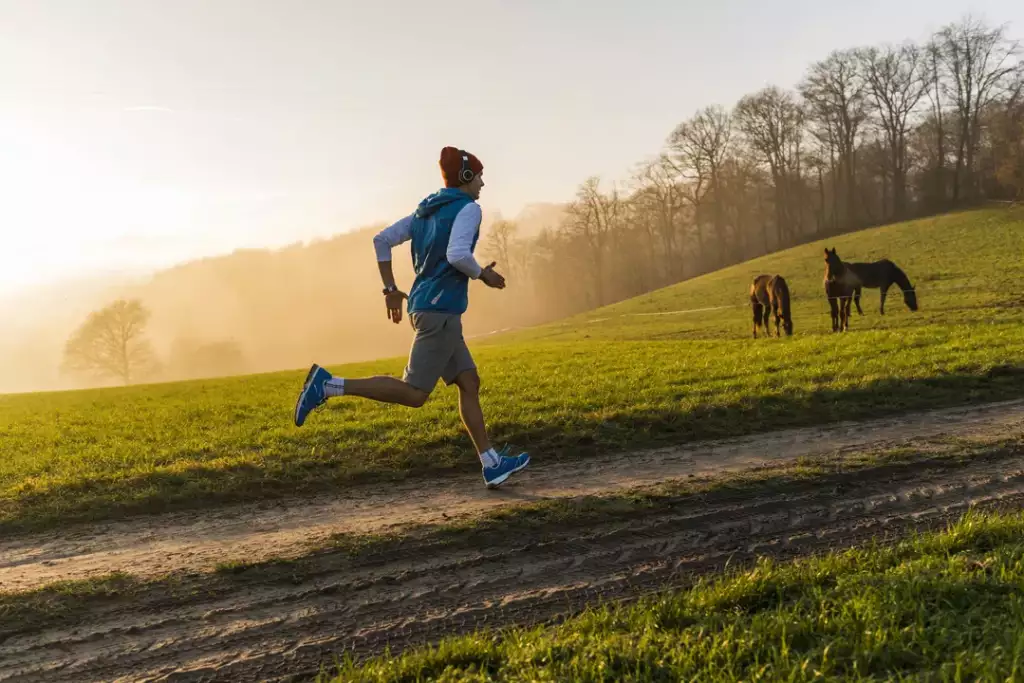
770 294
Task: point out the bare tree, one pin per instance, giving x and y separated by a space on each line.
979 63
591 217
936 122
773 123
111 343
820 159
699 147
1004 152
742 181
659 197
835 90
499 245
897 79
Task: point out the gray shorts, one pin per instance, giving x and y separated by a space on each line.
439 351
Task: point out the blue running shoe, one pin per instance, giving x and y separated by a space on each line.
312 395
506 467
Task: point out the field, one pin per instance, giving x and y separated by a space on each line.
191 529
567 391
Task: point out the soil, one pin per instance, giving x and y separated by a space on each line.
213 626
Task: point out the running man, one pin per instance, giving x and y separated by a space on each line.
444 231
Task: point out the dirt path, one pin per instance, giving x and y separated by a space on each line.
199 540
276 624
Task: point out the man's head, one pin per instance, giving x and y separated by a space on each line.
462 170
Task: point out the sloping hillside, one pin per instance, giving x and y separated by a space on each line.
966 267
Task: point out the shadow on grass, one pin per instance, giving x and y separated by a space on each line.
587 436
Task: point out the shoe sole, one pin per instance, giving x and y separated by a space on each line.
302 394
495 483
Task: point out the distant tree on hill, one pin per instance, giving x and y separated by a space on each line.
111 343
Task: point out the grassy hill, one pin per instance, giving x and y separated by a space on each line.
612 380
967 267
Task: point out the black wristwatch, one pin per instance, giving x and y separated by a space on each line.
389 289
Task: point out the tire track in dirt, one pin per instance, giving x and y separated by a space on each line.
272 628
199 540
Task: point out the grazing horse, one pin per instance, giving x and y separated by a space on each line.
880 275
770 294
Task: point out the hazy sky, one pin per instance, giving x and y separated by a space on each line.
138 133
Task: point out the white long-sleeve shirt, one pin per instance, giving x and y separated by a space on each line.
460 243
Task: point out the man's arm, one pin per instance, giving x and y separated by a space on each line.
460 244
391 236
460 247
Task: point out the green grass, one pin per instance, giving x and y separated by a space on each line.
565 391
943 607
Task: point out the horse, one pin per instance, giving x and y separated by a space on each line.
839 296
770 294
880 275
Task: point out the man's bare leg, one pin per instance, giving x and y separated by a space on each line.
320 386
469 408
386 390
497 467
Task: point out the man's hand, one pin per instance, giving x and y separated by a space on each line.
491 277
393 300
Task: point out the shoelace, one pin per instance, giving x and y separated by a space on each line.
506 451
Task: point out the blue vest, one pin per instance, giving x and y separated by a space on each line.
439 287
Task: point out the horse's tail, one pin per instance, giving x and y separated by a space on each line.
903 282
783 296
780 292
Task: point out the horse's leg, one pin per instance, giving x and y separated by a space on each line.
834 311
856 300
756 305
766 312
881 297
844 310
778 317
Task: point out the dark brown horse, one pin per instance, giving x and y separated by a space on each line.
880 275
839 296
770 294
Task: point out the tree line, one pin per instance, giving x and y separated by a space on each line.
869 135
